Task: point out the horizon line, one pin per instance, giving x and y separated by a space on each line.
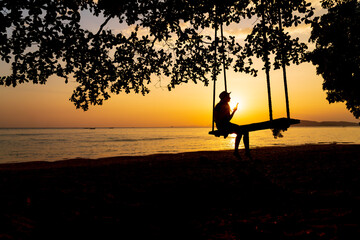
209 126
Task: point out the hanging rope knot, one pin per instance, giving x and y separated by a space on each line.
277 132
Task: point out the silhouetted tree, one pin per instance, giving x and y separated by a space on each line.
40 38
269 38
285 49
336 56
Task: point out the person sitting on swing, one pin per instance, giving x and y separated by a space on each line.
222 117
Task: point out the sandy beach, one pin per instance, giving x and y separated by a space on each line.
300 192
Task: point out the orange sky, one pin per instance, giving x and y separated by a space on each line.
31 105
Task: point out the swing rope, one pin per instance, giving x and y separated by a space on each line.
223 54
215 63
284 67
214 77
277 125
267 62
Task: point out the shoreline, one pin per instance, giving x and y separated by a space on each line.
54 145
298 192
78 161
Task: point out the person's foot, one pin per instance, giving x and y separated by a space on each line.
237 155
247 154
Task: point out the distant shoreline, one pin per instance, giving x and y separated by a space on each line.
307 123
83 161
303 123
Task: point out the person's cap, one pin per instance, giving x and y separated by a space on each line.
224 94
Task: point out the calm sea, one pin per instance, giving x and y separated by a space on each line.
22 145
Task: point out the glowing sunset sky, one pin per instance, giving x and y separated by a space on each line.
30 105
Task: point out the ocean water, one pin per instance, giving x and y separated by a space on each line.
23 145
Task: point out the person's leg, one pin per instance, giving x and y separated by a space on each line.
246 144
237 143
233 128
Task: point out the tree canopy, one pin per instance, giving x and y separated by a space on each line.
337 52
40 38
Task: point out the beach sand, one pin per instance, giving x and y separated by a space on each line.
300 192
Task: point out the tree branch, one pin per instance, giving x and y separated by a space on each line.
104 24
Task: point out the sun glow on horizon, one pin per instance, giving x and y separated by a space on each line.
236 100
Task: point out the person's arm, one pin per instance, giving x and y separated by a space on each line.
233 112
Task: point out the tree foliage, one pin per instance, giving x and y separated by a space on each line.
337 52
267 38
40 38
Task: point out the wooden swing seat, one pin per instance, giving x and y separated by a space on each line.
279 123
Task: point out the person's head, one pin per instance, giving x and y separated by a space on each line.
224 96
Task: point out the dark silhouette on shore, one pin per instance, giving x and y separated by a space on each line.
223 116
302 192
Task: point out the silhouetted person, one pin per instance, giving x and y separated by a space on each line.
223 115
